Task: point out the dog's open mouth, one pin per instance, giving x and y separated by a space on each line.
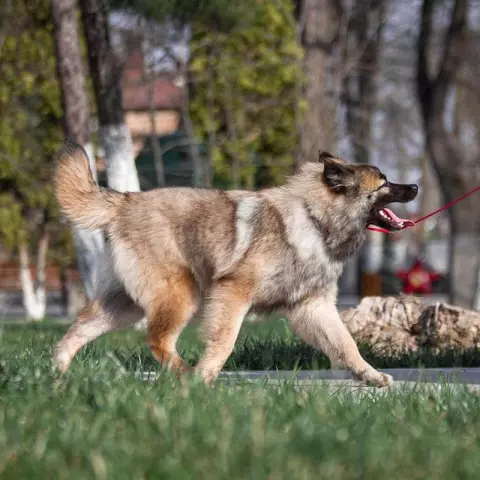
385 218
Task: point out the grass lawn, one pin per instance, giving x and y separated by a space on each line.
102 422
261 346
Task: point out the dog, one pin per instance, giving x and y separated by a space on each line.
177 251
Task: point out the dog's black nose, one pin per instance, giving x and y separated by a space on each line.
413 191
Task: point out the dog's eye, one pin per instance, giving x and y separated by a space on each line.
384 184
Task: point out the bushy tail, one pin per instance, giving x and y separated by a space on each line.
79 196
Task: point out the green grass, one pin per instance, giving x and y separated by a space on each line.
261 346
100 421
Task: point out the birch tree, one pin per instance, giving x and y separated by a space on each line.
89 245
105 70
30 115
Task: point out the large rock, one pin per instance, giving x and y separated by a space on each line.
403 323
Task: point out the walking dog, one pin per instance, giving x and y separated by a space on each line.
174 252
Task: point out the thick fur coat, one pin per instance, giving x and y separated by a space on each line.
174 252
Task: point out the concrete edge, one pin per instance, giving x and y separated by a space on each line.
431 375
468 376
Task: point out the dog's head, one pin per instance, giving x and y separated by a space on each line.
368 188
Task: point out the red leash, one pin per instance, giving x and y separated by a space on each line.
441 209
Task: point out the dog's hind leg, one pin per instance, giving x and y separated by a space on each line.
168 314
112 311
318 323
228 303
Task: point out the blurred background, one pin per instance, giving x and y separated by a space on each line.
238 94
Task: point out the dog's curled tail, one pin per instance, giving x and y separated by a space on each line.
76 191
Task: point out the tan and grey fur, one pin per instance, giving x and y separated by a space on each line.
177 251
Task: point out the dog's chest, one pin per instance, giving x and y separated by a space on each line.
304 268
291 280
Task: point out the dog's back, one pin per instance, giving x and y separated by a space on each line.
204 231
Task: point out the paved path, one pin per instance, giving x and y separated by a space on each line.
403 377
431 375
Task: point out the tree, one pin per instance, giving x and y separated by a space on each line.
244 95
89 244
319 24
5 16
360 85
30 114
220 15
105 70
360 89
453 165
215 16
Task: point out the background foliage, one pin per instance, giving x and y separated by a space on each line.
30 127
244 87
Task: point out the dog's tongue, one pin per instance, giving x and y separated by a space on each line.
395 218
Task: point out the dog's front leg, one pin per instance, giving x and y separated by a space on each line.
318 323
227 305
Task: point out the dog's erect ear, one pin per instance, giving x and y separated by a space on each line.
338 176
322 156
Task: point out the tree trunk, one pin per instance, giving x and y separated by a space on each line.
198 178
430 196
157 150
476 304
40 286
106 75
120 165
89 245
463 267
5 12
212 133
233 137
449 159
299 24
360 92
396 324
34 293
361 84
317 131
64 287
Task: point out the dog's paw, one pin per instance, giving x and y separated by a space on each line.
375 379
60 362
383 380
183 370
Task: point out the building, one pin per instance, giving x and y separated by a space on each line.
151 106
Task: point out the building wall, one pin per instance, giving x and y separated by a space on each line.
10 277
139 123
